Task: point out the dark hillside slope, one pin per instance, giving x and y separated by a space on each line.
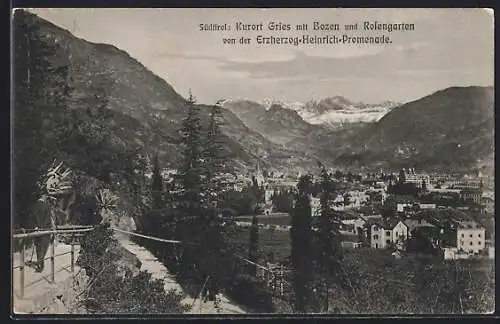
449 129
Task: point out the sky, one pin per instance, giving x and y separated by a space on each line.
448 47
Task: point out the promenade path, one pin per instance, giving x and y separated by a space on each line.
159 271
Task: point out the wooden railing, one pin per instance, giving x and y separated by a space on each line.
75 231
275 278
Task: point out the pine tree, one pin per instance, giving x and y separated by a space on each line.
213 188
214 160
191 168
155 218
253 245
157 185
301 244
192 220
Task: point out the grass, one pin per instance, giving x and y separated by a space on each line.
277 242
270 241
281 219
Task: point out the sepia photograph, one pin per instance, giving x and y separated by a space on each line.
240 162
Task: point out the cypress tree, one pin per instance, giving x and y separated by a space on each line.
301 244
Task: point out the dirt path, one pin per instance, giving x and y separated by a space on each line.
158 270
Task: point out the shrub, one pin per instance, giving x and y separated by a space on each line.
252 293
113 289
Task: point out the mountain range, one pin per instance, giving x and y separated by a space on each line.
333 112
451 128
337 111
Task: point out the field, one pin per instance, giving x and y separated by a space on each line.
275 242
283 219
273 219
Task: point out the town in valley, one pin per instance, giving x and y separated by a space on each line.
158 171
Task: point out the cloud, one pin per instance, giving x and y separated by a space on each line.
186 56
305 66
448 47
435 73
411 47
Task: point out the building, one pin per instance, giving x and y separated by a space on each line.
377 195
356 198
350 245
367 227
385 233
400 207
470 237
413 224
268 195
259 176
445 191
355 225
315 206
491 252
471 195
443 197
468 184
380 185
410 176
426 206
452 253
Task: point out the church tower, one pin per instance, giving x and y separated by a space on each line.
259 176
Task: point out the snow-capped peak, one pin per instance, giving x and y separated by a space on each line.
294 105
329 111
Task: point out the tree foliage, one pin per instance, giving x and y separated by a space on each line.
114 289
41 89
328 240
302 245
283 201
253 244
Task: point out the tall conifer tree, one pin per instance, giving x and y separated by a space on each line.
213 187
157 185
213 158
191 168
189 224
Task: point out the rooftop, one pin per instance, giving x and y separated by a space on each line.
444 190
414 223
469 225
384 223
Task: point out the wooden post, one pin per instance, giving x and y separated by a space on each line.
21 269
52 260
281 281
73 253
267 275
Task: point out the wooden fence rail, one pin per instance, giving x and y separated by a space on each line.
74 230
275 278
